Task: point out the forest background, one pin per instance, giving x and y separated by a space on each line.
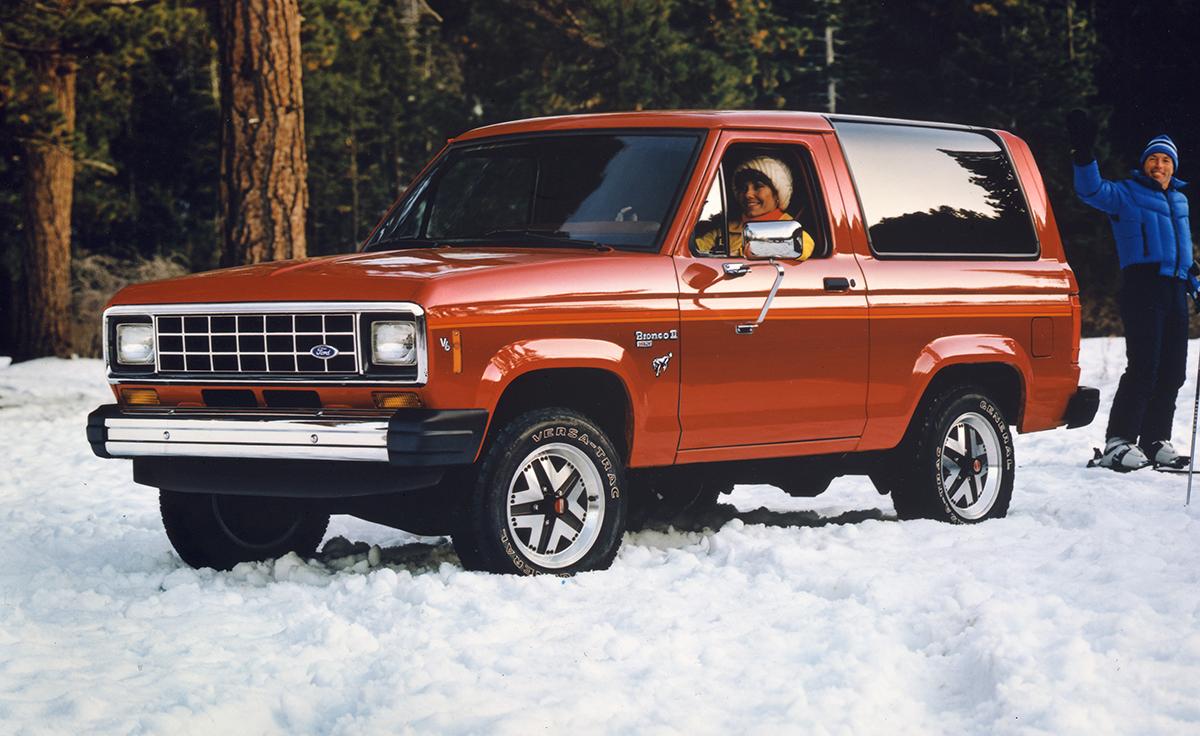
385 82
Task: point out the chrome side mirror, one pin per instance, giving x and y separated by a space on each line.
780 239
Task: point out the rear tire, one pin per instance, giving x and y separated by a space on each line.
218 531
958 465
549 498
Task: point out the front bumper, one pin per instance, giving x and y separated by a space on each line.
408 438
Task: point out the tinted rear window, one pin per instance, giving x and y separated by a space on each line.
932 191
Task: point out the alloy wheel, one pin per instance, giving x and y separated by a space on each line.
555 505
971 468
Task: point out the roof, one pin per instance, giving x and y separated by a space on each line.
696 119
699 119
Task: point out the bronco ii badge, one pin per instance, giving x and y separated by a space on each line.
646 339
324 352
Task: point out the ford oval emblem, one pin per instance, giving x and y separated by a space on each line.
324 352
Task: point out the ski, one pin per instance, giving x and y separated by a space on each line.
1176 471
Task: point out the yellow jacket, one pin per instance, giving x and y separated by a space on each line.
706 242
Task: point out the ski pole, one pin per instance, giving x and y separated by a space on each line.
1195 414
1194 272
1192 459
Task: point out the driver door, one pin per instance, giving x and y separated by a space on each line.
802 374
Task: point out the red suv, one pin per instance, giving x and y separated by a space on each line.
569 326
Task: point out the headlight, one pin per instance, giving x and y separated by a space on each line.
393 343
135 344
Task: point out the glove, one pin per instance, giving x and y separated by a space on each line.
1081 131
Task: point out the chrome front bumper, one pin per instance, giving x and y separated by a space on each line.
409 437
276 438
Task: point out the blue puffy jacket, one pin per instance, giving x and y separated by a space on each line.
1150 223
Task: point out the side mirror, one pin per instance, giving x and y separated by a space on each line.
779 239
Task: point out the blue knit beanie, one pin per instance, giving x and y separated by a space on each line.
1162 144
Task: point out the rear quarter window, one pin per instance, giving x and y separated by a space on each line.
935 192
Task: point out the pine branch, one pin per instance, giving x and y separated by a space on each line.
96 164
118 3
564 19
26 49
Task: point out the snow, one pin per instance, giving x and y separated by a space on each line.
1076 614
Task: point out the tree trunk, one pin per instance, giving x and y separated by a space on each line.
264 193
45 294
352 143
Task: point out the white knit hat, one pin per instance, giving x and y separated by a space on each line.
775 171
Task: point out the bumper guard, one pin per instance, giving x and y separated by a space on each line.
1081 409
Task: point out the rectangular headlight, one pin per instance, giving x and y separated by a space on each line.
135 343
393 343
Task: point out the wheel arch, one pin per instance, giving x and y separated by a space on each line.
1001 381
599 394
995 363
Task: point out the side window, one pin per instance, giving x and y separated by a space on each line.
937 192
709 235
756 183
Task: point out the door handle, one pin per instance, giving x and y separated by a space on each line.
733 270
837 283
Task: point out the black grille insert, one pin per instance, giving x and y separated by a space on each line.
300 343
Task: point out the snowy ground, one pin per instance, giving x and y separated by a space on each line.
1077 614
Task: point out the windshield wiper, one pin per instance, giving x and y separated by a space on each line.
558 237
399 243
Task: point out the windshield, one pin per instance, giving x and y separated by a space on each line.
590 189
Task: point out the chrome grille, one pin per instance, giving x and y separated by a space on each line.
259 343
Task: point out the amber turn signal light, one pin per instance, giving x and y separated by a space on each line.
397 400
139 397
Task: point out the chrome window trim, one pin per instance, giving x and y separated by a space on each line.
356 308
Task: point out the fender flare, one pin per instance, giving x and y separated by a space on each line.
974 349
522 357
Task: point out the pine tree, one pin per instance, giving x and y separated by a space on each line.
383 88
42 75
615 55
1019 65
264 165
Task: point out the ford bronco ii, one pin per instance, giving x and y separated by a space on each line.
572 326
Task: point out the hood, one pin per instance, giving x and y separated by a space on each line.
402 275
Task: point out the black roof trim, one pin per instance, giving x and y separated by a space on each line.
836 118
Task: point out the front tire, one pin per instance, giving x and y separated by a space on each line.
218 531
961 461
549 498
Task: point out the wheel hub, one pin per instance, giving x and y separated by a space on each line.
970 478
554 509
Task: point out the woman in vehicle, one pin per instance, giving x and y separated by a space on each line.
762 187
